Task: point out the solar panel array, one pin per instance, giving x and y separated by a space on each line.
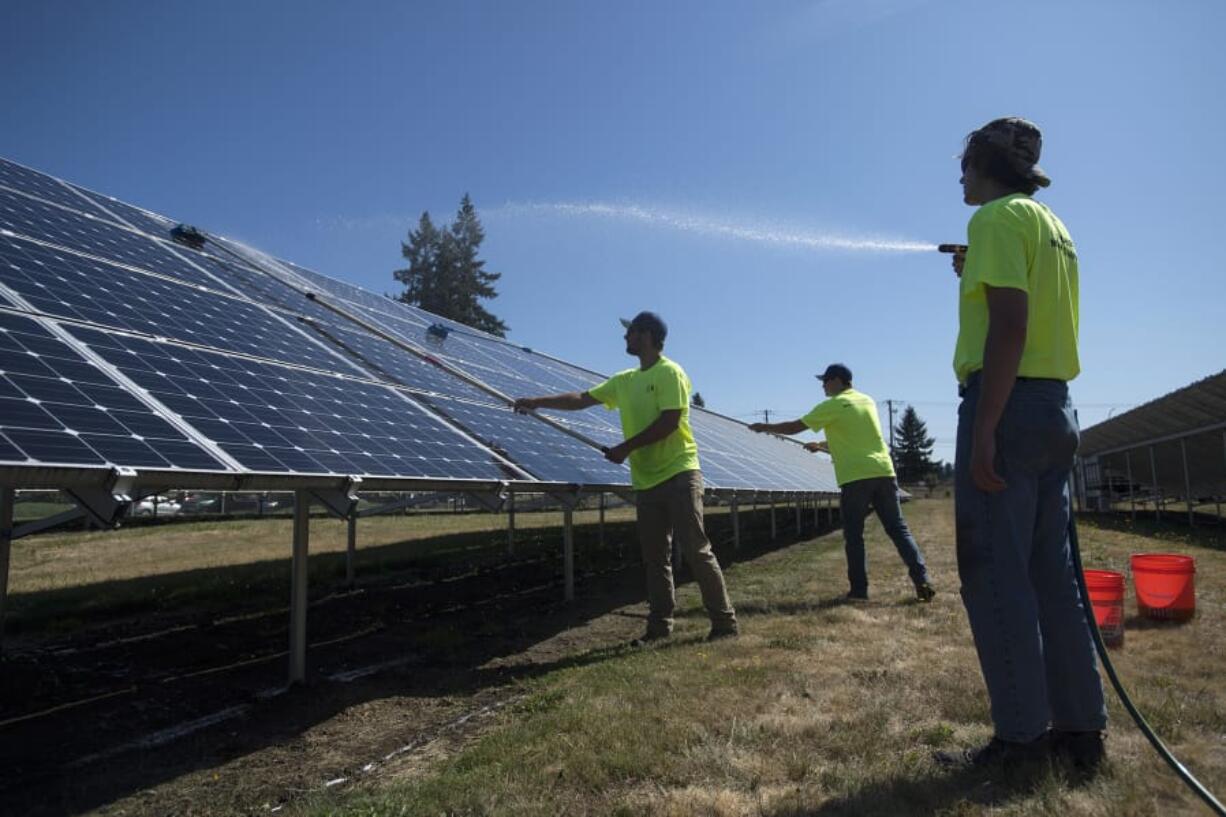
120 347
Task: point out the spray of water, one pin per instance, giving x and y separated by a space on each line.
759 232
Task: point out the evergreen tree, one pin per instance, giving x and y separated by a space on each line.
698 401
445 275
913 447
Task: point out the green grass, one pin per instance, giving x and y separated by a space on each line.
816 709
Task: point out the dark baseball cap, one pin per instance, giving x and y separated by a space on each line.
836 370
650 322
1019 140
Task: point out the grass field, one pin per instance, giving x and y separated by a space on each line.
820 708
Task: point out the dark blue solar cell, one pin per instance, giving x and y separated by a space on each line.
56 408
33 183
77 231
289 420
64 284
151 223
734 457
547 453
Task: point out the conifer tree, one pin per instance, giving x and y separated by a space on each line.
913 447
445 275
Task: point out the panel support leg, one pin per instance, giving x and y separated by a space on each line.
773 529
511 526
298 588
568 553
352 550
1187 482
8 497
736 525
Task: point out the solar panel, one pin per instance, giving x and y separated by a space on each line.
550 455
78 231
64 284
58 408
734 457
273 418
31 182
143 220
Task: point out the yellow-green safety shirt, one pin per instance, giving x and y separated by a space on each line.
1018 243
640 396
853 434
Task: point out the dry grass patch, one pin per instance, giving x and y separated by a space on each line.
822 708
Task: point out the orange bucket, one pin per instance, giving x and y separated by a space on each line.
1166 585
1107 598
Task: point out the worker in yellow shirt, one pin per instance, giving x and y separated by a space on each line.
654 403
865 474
1017 435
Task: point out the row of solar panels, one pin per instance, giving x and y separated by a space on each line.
121 347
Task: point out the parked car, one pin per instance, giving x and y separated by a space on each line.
155 506
200 502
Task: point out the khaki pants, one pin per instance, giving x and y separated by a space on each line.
674 509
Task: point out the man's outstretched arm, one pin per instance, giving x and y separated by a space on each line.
790 427
571 401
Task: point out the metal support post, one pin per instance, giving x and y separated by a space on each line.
1132 495
601 526
511 525
1187 482
736 524
568 552
351 551
8 497
298 588
798 522
773 531
817 519
1153 473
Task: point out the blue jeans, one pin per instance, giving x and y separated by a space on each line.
879 494
1018 584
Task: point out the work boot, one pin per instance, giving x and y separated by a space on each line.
648 638
719 631
924 591
997 753
1084 752
856 595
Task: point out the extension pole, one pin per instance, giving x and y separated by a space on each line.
298 588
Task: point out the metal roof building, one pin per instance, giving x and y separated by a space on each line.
1171 448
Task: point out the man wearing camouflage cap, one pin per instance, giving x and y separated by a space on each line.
1017 435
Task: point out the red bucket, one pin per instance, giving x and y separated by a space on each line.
1107 598
1166 585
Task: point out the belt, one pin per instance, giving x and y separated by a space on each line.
973 378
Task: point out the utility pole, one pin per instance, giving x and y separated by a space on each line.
890 404
766 414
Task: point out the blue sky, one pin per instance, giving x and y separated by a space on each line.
696 158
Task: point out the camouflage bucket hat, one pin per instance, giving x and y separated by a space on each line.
1021 142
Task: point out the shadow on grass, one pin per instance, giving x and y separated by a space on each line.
943 792
1209 532
454 611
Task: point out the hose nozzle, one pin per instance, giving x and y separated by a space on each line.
952 249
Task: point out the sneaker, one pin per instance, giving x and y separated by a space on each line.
648 638
924 592
1083 751
996 753
723 631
